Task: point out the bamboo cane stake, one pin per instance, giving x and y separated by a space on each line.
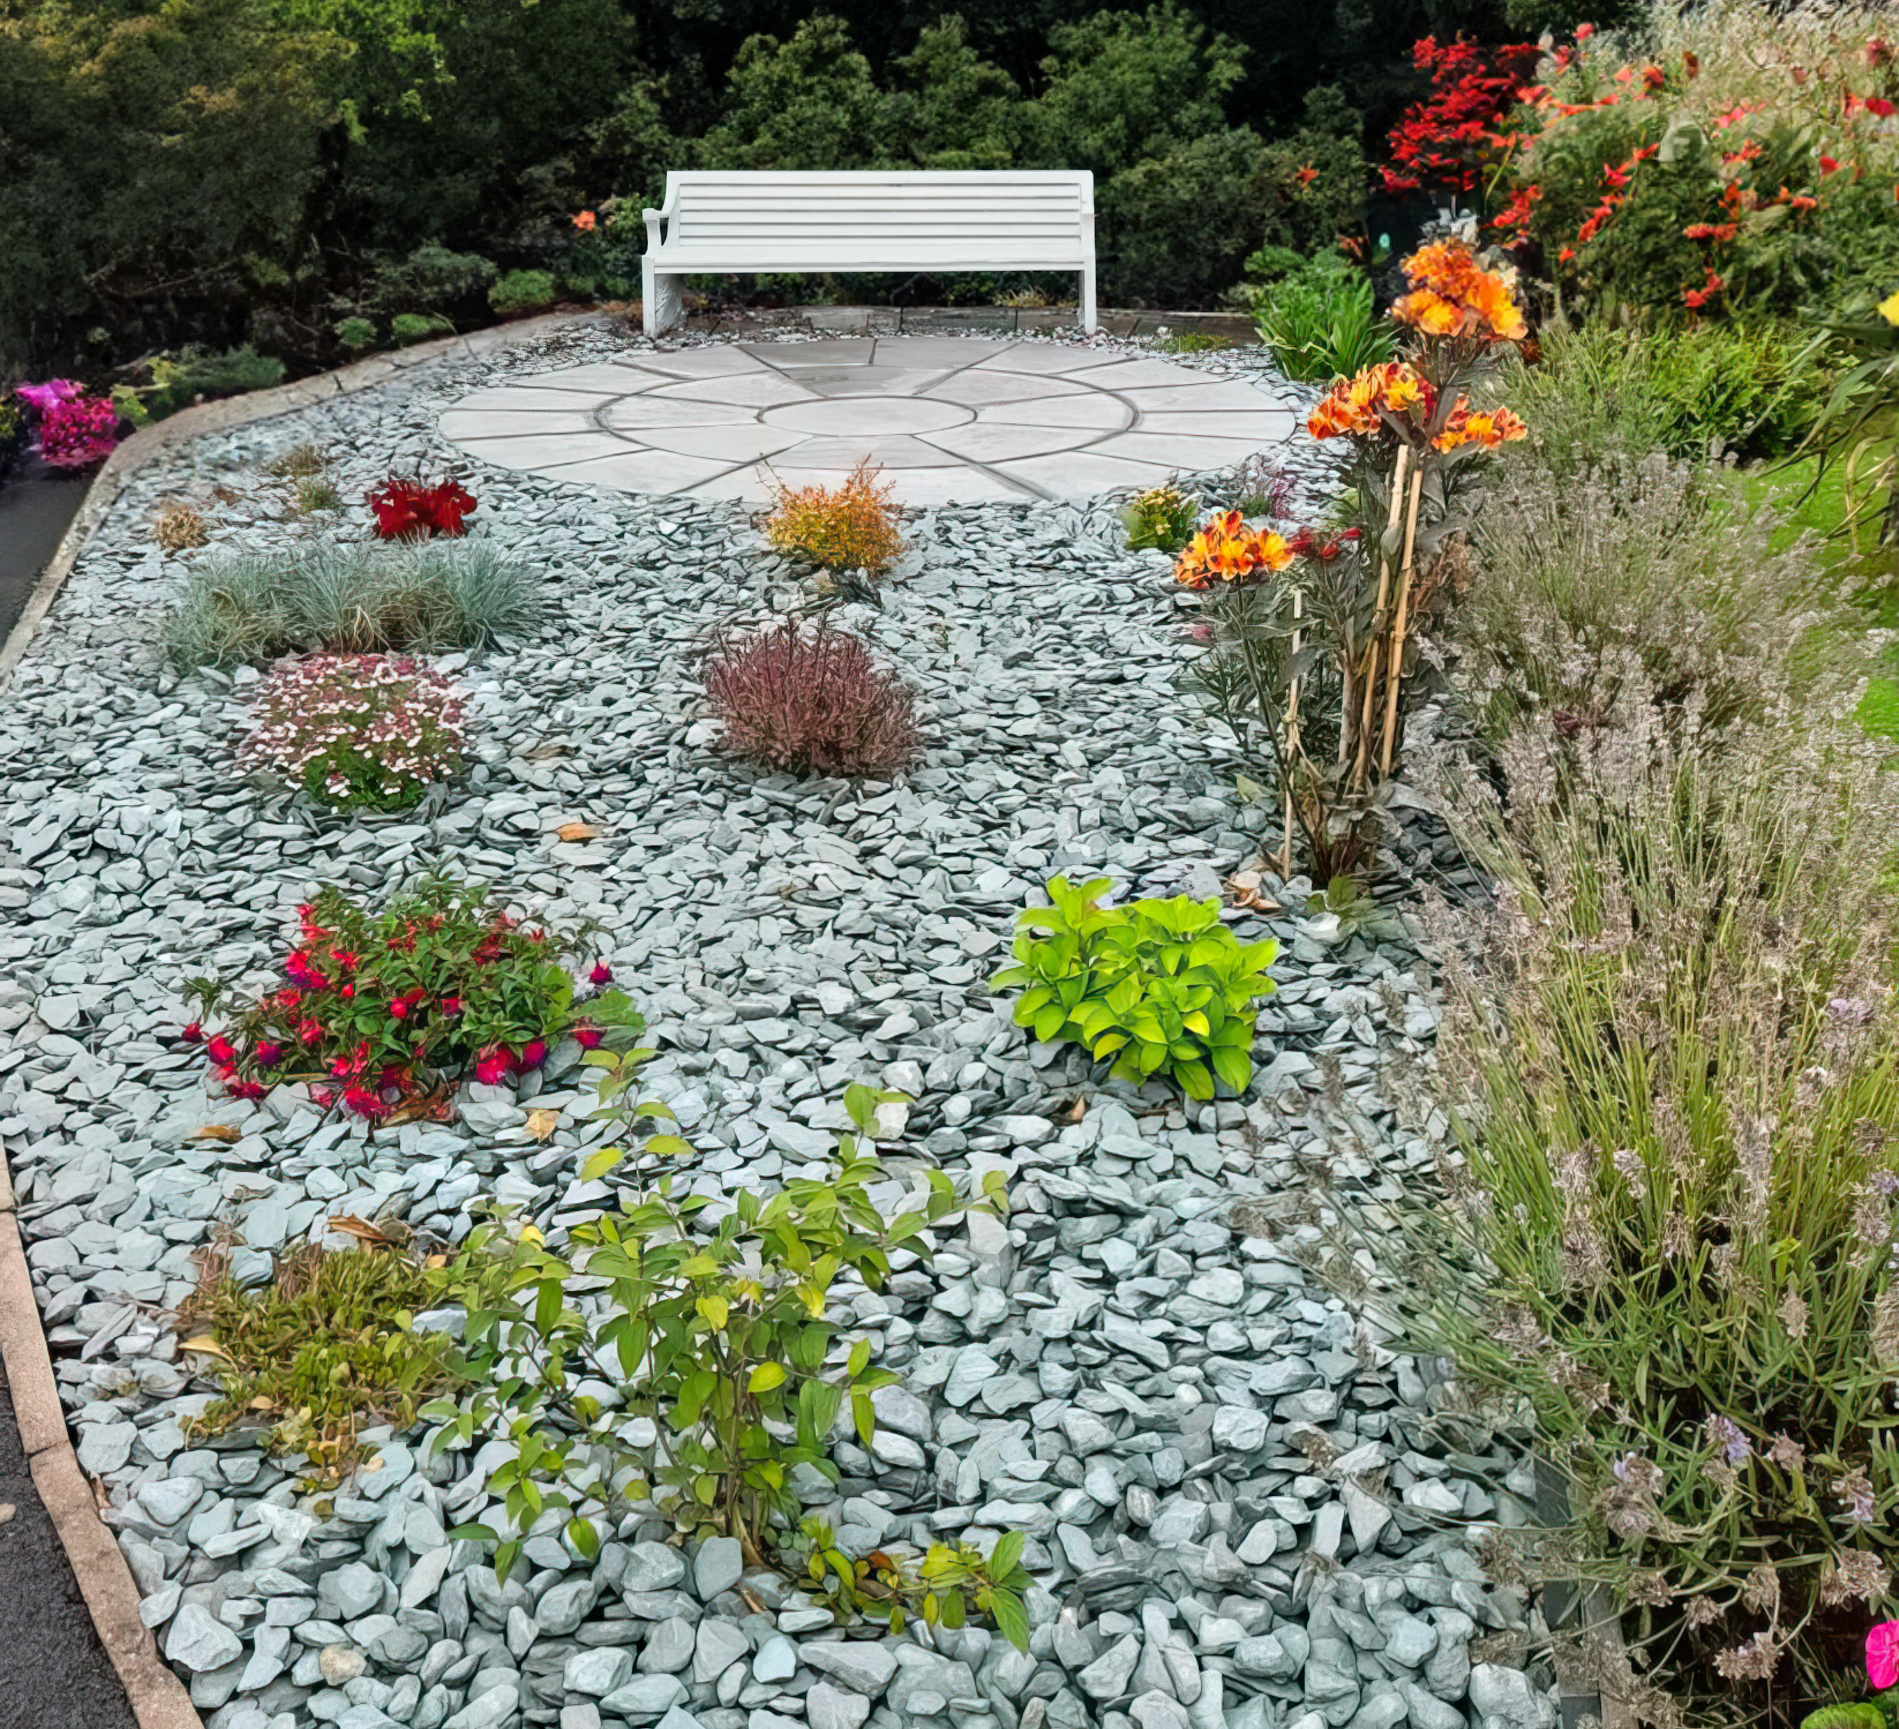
1291 749
1398 625
1384 589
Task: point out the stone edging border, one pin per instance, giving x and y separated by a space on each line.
158 1698
232 411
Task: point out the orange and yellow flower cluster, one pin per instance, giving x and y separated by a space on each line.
1487 429
1352 408
1451 296
1227 551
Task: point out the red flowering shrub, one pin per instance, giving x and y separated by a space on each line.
385 1011
812 701
407 508
358 731
1454 137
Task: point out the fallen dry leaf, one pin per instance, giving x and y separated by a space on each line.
540 1124
362 1229
206 1343
578 830
1076 1111
215 1132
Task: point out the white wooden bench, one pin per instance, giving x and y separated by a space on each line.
714 222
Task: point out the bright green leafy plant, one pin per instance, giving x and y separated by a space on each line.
1322 323
1161 986
943 1587
708 1323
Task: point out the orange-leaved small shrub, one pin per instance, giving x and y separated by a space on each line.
810 700
847 527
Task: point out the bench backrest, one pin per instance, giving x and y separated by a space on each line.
994 220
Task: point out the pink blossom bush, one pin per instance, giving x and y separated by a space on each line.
358 731
75 430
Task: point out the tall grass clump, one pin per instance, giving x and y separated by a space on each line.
253 607
1665 1232
1697 392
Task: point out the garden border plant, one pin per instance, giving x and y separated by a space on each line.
708 1320
383 1013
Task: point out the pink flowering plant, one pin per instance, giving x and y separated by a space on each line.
382 1013
358 731
75 430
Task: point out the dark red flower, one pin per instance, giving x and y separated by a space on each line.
533 1054
494 1066
268 1055
221 1052
360 1101
244 1089
193 1033
602 974
587 1037
450 1005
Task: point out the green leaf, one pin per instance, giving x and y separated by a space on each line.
765 1377
1011 1617
1006 1553
859 1358
601 1163
586 1539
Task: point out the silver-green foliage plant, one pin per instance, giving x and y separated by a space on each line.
681 1349
1158 986
348 599
1671 1058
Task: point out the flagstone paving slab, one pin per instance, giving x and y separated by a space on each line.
950 419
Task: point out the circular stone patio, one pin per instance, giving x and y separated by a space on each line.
950 420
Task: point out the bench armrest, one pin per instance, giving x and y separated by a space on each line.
653 218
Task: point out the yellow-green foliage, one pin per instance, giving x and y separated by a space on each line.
847 527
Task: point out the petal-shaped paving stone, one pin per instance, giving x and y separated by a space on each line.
950 419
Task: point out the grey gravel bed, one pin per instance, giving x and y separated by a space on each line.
1241 1512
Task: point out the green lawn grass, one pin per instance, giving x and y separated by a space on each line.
1868 572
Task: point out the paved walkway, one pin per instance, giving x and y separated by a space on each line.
948 419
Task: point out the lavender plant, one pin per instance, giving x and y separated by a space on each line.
1668 1228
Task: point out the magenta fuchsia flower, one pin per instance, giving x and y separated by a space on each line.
360 1101
1882 1655
493 1067
43 398
602 974
533 1054
587 1037
269 1055
221 1052
193 1033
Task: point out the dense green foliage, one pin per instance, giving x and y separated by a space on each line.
1159 986
285 168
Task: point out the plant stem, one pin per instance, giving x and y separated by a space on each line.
1393 674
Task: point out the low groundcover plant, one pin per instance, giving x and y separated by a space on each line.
384 1012
358 731
1161 986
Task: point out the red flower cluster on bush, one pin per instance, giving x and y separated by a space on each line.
408 508
1450 138
381 1012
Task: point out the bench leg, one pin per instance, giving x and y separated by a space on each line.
1087 310
660 303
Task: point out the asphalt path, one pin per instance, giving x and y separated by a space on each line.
54 1673
36 504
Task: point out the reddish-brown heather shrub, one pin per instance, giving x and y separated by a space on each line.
811 700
